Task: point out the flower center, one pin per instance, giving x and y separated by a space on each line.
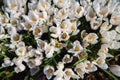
13 5
16 38
37 31
64 35
28 26
78 10
68 73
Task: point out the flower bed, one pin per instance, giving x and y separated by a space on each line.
59 39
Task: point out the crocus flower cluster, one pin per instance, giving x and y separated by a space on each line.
63 38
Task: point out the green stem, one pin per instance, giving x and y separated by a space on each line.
81 60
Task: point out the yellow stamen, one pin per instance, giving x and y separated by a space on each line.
91 37
63 26
15 37
99 61
91 15
77 48
14 22
49 71
72 28
4 20
13 5
79 70
28 26
95 24
43 5
37 31
78 10
88 66
68 73
64 35
60 1
33 19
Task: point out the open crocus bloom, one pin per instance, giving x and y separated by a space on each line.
68 73
77 48
48 71
100 61
91 38
115 19
80 69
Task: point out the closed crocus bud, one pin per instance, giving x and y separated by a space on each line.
115 69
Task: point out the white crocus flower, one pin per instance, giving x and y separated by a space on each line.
115 19
114 45
103 51
12 5
15 5
31 63
49 51
31 18
48 71
91 38
67 59
72 28
27 26
90 14
37 32
105 26
82 54
89 67
56 31
59 73
7 62
80 69
21 51
77 48
64 36
30 53
65 25
103 12
108 36
43 16
60 15
79 10
4 19
41 44
85 3
11 30
100 61
115 69
38 61
38 54
112 4
61 3
15 37
57 45
83 34
68 73
95 24
19 68
20 44
43 5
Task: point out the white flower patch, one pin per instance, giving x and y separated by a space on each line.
59 39
48 71
77 48
91 38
